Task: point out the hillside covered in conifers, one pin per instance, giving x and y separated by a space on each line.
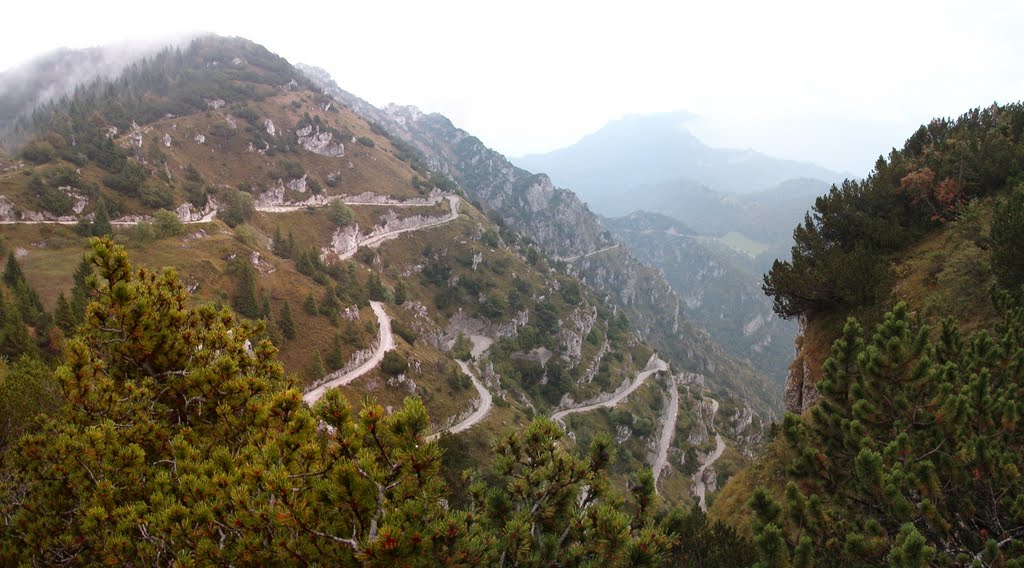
902 444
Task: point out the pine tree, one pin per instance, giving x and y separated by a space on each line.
30 306
309 305
912 457
12 273
285 322
1007 235
401 293
316 370
64 316
265 312
27 388
244 298
566 523
394 363
180 442
14 338
375 288
278 242
336 357
101 226
80 290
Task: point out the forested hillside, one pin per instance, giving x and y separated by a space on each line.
907 451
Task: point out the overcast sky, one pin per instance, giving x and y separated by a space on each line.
836 83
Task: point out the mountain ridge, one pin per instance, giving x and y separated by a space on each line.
658 148
526 201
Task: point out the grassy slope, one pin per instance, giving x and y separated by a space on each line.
202 254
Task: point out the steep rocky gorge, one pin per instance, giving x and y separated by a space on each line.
720 287
562 225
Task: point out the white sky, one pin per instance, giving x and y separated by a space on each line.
837 83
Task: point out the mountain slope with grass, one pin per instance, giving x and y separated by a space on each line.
562 226
267 195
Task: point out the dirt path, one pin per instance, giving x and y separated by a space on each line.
209 217
428 202
481 343
654 366
579 256
376 240
453 202
699 487
482 410
668 430
385 343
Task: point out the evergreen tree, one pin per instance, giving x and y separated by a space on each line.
568 522
80 290
1007 236
30 306
285 322
309 305
912 457
180 443
64 316
394 363
336 357
278 242
27 388
375 288
316 370
401 293
101 226
265 312
12 273
14 338
244 298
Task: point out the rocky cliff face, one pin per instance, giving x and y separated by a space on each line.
564 227
720 289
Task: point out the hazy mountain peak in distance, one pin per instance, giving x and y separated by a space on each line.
644 150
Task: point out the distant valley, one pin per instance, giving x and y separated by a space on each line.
718 219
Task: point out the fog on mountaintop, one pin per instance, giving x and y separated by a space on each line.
57 73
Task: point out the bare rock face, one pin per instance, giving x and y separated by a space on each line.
166 140
298 184
575 331
80 199
187 213
801 393
703 428
269 126
318 142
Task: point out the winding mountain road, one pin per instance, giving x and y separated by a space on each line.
668 430
209 217
485 404
656 365
347 200
481 344
699 486
453 201
385 343
579 256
